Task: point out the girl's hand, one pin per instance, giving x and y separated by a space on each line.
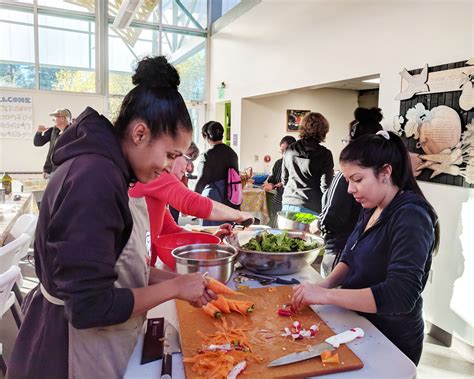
224 230
314 227
308 293
192 288
267 187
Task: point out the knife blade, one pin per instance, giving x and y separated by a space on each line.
153 341
171 345
263 279
331 343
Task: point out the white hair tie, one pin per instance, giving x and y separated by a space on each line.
384 134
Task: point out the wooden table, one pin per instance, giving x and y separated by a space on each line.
254 200
11 210
382 359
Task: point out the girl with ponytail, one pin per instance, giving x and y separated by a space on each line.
387 258
92 241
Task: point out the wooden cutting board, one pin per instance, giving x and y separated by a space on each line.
267 302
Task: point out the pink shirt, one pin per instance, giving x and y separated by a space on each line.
164 190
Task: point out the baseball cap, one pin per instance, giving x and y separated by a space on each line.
61 112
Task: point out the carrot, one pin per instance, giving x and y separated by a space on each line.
220 288
242 307
221 304
328 357
212 311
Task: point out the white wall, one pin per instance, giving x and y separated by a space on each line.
21 154
264 122
282 45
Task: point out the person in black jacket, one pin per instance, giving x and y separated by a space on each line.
308 167
340 210
62 118
213 167
387 258
274 180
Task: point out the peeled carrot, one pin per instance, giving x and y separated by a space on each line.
328 357
220 288
221 304
240 306
212 311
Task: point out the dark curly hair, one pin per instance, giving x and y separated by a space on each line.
314 126
366 121
155 100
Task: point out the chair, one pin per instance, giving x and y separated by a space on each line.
10 255
7 301
24 224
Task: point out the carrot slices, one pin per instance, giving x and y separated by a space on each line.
212 311
220 288
222 304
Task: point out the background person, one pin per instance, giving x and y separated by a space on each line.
62 119
274 180
212 170
91 240
307 167
340 210
387 259
168 189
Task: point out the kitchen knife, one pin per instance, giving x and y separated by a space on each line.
263 279
171 345
331 343
153 341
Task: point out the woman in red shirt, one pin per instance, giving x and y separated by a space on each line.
168 189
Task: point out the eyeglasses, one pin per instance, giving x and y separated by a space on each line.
188 158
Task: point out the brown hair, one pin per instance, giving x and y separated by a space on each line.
314 126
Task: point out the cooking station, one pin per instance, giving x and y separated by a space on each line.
380 357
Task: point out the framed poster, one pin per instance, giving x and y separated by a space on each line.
293 119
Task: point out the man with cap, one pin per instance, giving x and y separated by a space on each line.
44 135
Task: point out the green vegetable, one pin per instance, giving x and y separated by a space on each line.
304 218
278 243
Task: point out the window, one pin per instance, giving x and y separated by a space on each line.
186 13
70 5
126 48
66 54
188 54
17 49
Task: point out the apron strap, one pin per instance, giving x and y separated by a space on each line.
50 298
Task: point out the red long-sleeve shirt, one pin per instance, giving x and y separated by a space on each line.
167 189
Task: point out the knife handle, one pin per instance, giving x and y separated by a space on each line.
345 337
166 366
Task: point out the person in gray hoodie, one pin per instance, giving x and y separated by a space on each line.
92 242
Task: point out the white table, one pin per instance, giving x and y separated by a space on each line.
381 358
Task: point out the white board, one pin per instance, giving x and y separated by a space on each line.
16 116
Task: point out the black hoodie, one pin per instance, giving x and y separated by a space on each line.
307 171
83 226
393 259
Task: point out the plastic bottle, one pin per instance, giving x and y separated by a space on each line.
7 183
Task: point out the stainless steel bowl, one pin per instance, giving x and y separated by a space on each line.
217 260
284 222
274 263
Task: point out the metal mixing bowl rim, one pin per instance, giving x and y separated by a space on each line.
231 257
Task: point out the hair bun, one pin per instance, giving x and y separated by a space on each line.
156 72
367 115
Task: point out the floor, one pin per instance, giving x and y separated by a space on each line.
437 361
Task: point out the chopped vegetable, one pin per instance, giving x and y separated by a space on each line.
221 304
278 243
328 357
238 368
241 306
220 288
284 312
212 311
304 218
